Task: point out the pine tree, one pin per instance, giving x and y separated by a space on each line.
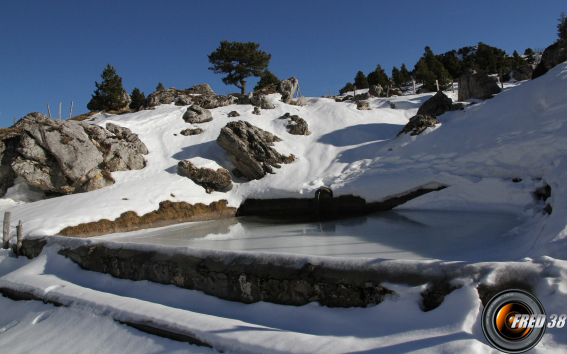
138 99
428 69
562 27
360 81
109 94
348 88
378 77
397 77
239 61
266 78
530 55
159 87
406 74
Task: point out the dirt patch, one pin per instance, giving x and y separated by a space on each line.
168 213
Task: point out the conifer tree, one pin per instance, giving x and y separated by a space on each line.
138 99
562 27
266 78
428 69
378 77
109 94
239 61
360 81
397 77
348 87
406 74
159 87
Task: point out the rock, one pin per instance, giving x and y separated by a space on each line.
417 124
127 100
183 100
69 156
233 114
362 105
262 101
165 96
256 111
436 105
362 96
552 55
189 132
202 89
477 85
301 101
250 149
296 125
197 114
217 101
208 178
523 73
376 90
287 89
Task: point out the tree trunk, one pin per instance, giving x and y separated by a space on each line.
243 87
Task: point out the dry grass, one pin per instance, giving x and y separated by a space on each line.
6 133
168 213
84 116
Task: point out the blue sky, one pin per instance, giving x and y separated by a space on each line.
54 51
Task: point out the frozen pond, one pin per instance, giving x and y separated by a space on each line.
458 236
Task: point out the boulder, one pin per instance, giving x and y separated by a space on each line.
250 149
262 101
552 55
301 101
165 96
256 111
363 96
211 102
362 105
477 85
523 73
417 124
376 90
296 125
436 105
197 114
287 89
183 100
208 178
189 132
68 156
233 114
202 89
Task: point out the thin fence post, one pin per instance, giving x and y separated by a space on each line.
19 238
437 83
354 90
48 110
14 120
501 79
6 230
453 85
414 91
71 113
60 103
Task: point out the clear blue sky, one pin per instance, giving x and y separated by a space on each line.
55 50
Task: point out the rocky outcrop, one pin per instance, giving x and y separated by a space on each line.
553 55
256 111
165 96
523 73
250 149
376 90
363 96
233 114
211 102
262 101
436 105
69 156
287 89
477 85
363 105
95 103
418 124
197 114
296 125
183 100
189 132
301 101
208 178
202 89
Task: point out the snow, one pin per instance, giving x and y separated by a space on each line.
492 155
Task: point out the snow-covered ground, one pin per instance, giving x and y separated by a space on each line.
492 156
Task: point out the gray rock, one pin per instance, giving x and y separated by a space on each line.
301 101
189 132
165 96
197 114
126 134
183 100
436 105
417 124
477 85
296 125
552 55
376 90
362 105
127 100
524 73
362 96
202 89
287 89
250 149
47 177
217 101
208 178
262 101
256 111
233 114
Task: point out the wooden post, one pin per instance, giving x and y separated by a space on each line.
414 91
501 79
453 85
71 114
48 111
354 90
20 237
388 90
6 230
14 120
60 103
437 83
